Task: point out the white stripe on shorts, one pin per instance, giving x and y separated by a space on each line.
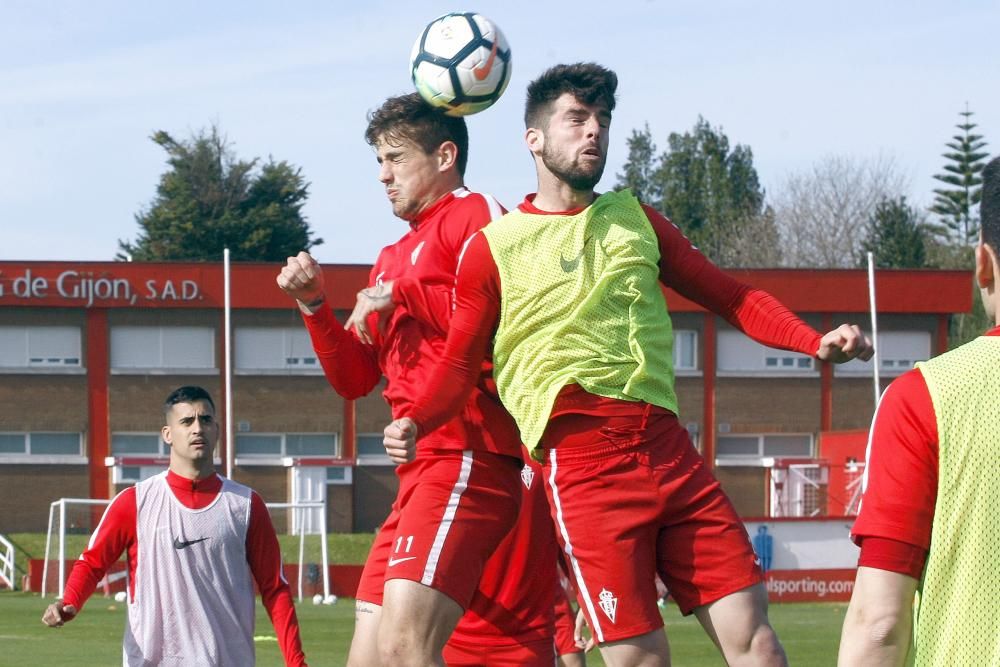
581 584
449 516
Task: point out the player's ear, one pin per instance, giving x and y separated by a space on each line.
986 266
447 154
166 435
535 139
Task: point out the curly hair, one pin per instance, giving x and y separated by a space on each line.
589 83
409 117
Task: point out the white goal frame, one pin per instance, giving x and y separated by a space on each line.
298 521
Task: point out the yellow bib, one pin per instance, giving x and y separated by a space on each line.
957 619
581 304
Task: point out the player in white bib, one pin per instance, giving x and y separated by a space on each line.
196 543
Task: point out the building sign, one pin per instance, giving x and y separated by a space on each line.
161 285
101 286
85 288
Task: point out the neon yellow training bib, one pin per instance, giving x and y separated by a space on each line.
581 303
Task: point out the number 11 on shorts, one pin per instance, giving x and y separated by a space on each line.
399 543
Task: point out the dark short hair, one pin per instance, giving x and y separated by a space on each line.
589 83
989 205
186 394
409 117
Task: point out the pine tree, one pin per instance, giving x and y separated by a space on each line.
209 200
957 204
896 236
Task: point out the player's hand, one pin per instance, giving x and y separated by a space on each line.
579 636
844 343
56 614
302 279
401 440
376 299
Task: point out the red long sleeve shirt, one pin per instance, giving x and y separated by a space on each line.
682 268
116 534
422 266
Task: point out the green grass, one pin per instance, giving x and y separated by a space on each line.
810 633
345 548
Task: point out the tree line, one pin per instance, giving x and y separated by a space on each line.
829 215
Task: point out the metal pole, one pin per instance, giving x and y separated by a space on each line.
326 562
871 300
48 540
62 545
228 353
299 517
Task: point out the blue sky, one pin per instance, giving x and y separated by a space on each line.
84 84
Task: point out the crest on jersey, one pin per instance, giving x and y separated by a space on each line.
609 604
527 476
416 253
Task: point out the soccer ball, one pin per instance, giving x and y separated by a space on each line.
318 598
460 63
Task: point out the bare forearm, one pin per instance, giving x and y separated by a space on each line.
878 626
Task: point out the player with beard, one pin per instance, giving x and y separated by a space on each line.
455 540
569 290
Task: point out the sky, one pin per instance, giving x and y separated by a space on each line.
83 85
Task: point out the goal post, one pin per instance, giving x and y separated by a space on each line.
68 516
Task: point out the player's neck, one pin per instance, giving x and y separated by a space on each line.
555 195
192 469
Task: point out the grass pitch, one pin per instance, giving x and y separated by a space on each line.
810 633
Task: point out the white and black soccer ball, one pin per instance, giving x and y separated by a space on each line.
461 63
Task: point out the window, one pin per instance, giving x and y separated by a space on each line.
134 474
740 355
41 447
685 350
274 349
39 347
137 444
167 348
751 449
339 475
371 451
271 447
897 351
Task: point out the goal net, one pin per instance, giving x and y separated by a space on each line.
73 520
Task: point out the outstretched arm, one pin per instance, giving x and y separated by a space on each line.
752 311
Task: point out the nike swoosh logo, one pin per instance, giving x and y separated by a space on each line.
397 561
569 265
184 545
482 72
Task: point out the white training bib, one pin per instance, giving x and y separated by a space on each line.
194 593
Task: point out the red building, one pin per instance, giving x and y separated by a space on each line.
88 352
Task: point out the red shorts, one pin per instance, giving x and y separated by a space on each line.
631 497
452 510
565 625
459 653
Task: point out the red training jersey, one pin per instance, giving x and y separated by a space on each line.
422 266
682 268
893 527
116 533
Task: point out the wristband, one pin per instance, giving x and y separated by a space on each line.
315 303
